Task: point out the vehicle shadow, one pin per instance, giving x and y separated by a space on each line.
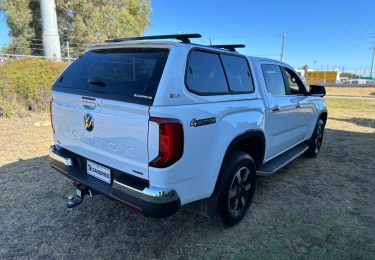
365 122
36 223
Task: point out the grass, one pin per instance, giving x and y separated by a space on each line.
351 91
347 104
353 114
312 209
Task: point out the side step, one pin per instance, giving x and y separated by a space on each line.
271 167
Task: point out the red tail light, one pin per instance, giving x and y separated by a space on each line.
50 115
171 142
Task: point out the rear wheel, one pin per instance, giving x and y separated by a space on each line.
316 140
237 189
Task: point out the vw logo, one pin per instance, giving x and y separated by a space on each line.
88 122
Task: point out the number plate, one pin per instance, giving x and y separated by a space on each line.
98 171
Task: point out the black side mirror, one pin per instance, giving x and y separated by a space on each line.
317 90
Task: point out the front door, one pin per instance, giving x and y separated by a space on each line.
282 123
305 108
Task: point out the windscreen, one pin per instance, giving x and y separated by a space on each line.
130 75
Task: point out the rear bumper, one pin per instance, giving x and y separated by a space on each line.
124 188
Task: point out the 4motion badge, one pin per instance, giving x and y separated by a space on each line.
204 121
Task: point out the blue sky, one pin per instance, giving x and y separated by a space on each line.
331 32
4 38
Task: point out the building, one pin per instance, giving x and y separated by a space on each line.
319 77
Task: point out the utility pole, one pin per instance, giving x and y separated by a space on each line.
325 75
68 51
51 40
372 63
282 47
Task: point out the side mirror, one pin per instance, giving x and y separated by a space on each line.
317 90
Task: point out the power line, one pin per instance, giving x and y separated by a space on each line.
343 18
361 14
326 25
356 14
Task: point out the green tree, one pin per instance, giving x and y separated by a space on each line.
79 21
305 68
19 20
349 75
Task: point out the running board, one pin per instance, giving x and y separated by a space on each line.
271 167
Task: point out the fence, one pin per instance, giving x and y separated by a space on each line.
69 51
8 56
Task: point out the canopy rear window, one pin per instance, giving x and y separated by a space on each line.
130 75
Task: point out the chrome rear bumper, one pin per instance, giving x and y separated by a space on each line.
150 200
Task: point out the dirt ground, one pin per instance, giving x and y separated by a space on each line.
313 208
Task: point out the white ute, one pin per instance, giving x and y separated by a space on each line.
155 124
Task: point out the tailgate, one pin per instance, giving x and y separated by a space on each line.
100 106
118 137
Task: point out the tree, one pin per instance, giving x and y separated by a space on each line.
305 67
349 75
79 21
19 20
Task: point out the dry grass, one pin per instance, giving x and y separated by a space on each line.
313 208
24 138
351 91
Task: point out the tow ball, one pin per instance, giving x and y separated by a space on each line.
80 192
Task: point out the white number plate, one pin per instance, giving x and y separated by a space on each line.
98 171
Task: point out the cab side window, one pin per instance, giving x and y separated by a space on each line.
294 84
205 73
238 73
274 79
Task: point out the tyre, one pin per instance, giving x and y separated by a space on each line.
316 140
237 187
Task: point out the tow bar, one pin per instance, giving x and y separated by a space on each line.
80 192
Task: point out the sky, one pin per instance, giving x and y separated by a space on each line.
319 33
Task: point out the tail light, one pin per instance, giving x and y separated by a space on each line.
50 115
171 142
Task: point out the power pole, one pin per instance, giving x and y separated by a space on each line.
282 47
51 40
372 63
68 51
325 75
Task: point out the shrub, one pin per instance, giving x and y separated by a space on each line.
25 84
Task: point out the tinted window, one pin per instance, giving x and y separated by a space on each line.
238 73
205 73
274 79
295 83
133 74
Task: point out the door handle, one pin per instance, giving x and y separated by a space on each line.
89 105
276 109
298 105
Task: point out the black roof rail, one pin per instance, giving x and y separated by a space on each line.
185 38
229 47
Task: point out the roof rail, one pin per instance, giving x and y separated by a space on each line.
229 47
185 38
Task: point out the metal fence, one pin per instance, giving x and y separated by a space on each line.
8 56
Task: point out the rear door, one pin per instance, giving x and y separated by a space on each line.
101 106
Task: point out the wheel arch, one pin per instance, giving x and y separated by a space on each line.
323 115
248 142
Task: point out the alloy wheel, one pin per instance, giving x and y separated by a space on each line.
239 191
318 138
